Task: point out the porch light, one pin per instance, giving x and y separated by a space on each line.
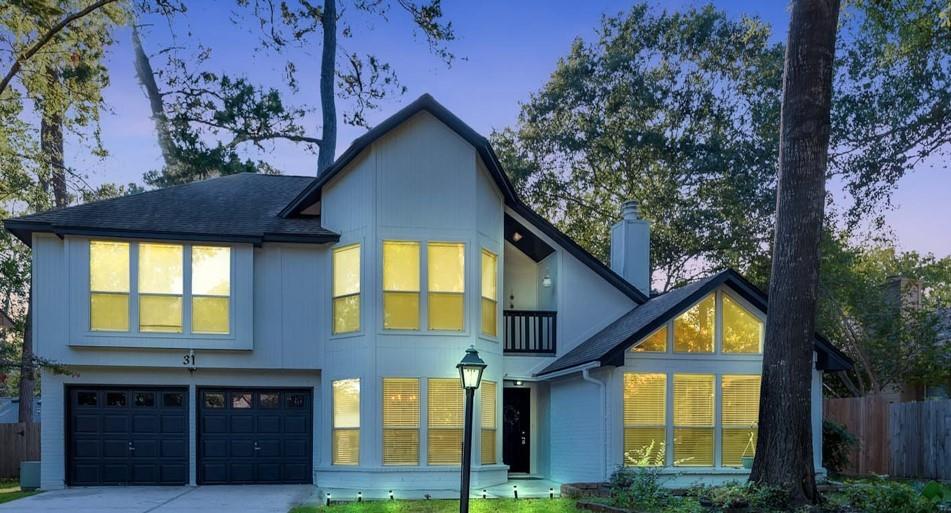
470 372
516 236
470 369
546 281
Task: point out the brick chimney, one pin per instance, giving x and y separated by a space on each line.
631 248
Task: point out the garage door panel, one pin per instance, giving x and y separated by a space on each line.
245 435
174 424
296 448
296 424
115 423
212 424
174 449
115 437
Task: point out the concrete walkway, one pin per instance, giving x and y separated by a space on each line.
162 499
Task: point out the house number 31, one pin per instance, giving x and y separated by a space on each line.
189 360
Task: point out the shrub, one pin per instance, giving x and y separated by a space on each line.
837 442
882 496
740 495
638 489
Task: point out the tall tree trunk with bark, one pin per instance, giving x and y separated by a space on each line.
328 107
784 456
146 75
27 370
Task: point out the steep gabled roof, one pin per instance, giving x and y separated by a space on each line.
608 346
235 208
427 103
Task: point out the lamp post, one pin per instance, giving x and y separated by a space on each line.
470 372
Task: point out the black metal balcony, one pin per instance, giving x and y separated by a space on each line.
529 331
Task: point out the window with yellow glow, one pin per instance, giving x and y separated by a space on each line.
346 422
488 391
160 287
489 293
693 419
400 421
742 331
108 286
694 329
739 415
645 419
346 289
401 285
446 285
656 342
211 289
445 410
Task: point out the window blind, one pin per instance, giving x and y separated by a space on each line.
739 417
346 422
693 419
645 413
400 421
346 289
211 289
108 286
694 329
742 331
656 342
488 416
445 410
401 285
160 287
446 285
489 293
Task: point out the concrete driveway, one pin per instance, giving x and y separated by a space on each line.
161 499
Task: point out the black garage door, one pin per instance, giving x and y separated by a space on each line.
127 435
254 436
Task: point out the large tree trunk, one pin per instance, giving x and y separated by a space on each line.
784 456
27 371
146 75
328 106
51 145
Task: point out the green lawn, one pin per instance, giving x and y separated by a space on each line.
447 506
10 491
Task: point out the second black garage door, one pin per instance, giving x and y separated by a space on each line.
254 436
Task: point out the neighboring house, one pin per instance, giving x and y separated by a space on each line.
259 329
10 410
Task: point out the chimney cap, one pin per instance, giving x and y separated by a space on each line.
630 211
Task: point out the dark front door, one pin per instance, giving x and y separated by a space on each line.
127 435
254 436
517 410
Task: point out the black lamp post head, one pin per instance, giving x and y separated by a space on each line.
470 369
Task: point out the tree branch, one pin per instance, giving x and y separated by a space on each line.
46 38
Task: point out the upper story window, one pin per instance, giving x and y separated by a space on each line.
736 330
346 289
490 293
447 285
401 285
163 297
109 286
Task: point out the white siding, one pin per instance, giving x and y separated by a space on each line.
577 425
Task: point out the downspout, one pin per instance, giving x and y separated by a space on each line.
585 375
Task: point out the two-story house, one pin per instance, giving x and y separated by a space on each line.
282 329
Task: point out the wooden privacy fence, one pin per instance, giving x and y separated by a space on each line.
921 440
18 442
867 419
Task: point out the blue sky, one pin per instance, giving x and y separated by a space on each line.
506 50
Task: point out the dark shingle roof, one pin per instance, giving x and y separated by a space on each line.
607 347
236 208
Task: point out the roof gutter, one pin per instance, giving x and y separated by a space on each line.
584 367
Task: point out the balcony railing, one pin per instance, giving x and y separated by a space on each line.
529 331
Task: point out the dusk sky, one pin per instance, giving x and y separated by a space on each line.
506 50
